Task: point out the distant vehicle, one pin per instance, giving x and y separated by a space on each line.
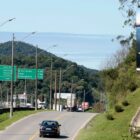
71 101
49 128
79 109
72 109
85 105
41 105
29 105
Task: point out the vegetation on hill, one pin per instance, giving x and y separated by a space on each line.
24 57
121 85
118 129
122 79
120 76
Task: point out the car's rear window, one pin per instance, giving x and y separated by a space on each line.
49 123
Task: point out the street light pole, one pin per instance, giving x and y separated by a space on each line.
50 100
60 82
55 92
12 79
84 100
71 102
51 85
11 108
36 80
60 79
1 101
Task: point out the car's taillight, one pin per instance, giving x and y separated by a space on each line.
42 127
54 128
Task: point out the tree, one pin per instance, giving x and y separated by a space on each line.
128 10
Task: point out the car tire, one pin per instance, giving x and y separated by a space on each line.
58 135
40 135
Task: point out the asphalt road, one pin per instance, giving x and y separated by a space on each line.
28 128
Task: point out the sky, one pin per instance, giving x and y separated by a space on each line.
75 17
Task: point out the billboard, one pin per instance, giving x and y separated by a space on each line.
138 40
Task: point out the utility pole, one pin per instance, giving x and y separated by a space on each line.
60 79
36 80
8 97
60 83
84 101
51 85
71 104
1 94
55 92
25 87
12 79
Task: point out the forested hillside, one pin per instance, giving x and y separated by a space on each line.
24 57
120 76
121 79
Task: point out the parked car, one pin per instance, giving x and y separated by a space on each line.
49 128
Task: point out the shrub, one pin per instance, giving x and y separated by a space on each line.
99 107
118 108
109 116
125 103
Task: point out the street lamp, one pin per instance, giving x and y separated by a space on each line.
29 34
84 101
36 81
51 86
12 78
51 78
71 102
60 82
11 107
2 24
9 20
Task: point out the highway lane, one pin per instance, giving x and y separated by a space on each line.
28 128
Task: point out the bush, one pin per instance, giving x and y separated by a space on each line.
125 103
109 116
118 108
99 107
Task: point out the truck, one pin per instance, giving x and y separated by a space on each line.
85 105
71 104
41 105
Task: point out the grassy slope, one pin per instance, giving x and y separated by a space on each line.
5 121
102 129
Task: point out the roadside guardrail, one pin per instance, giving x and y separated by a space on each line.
134 128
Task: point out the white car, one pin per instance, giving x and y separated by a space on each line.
80 109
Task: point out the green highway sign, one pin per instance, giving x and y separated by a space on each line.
24 73
40 74
6 73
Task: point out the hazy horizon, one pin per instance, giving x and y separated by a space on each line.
88 50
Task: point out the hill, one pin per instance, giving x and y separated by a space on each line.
24 56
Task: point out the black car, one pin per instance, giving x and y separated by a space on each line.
49 128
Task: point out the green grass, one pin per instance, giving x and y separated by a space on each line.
6 121
99 128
